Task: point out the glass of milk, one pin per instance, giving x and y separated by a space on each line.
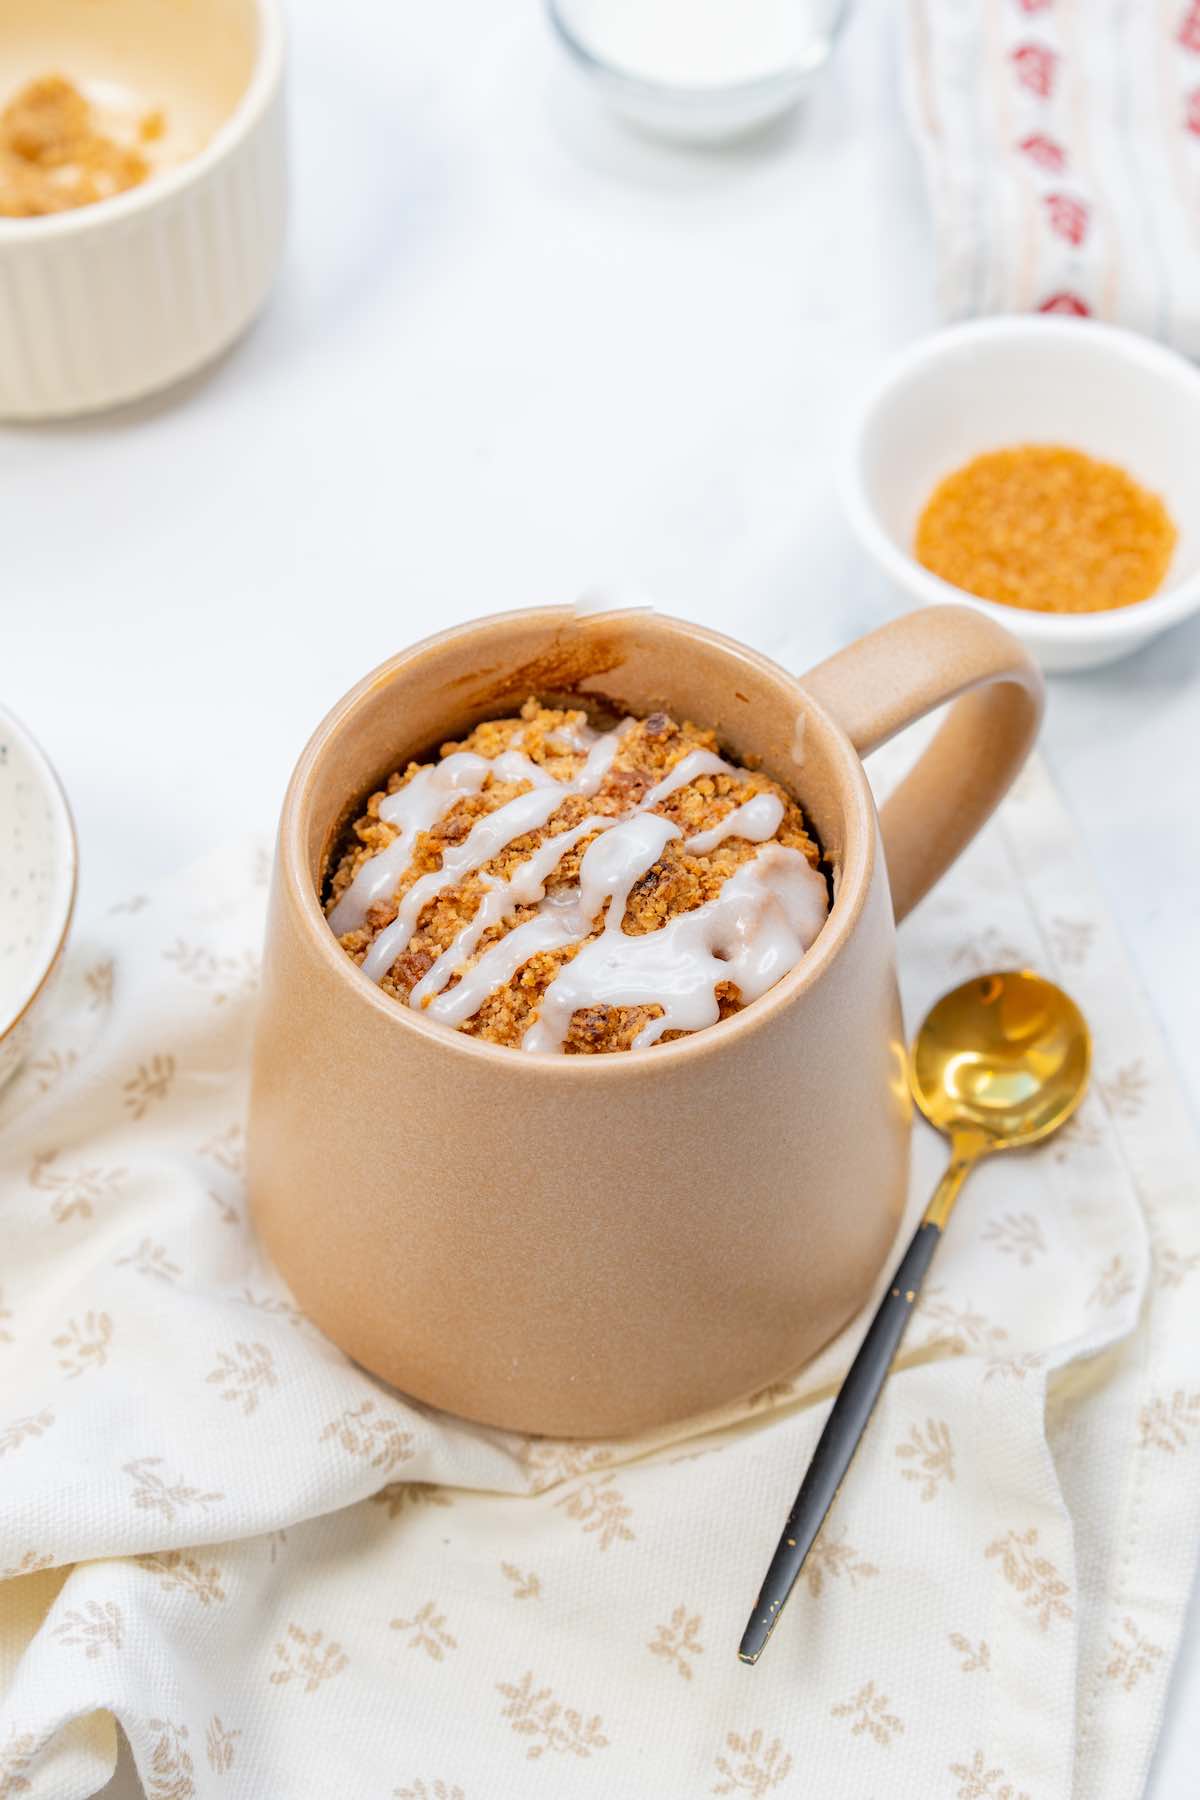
699 71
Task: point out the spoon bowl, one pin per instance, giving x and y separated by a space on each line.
1005 1054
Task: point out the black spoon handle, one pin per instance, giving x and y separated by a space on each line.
840 1438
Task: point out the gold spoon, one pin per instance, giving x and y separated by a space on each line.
1000 1062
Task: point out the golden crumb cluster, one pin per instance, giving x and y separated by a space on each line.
678 882
53 155
1048 529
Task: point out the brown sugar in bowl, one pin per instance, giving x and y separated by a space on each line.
588 1246
1046 528
1110 393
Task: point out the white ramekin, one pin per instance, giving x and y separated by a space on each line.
113 301
1005 381
38 878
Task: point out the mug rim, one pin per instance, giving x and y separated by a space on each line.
852 884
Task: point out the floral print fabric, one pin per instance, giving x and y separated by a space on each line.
283 1578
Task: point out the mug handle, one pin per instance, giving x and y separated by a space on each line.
896 675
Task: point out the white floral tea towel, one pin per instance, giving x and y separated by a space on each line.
287 1582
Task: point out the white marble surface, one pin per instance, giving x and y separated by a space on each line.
518 352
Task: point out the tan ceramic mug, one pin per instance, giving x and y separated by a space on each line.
589 1245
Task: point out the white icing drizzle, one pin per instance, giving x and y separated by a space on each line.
514 765
528 812
420 803
417 806
492 834
576 734
693 765
756 929
608 871
599 760
525 887
756 820
497 966
760 923
612 865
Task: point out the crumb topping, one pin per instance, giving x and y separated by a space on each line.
679 881
54 155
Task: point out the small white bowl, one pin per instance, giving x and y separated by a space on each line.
702 112
1005 381
110 302
38 876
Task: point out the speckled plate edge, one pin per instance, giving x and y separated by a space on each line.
14 1030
